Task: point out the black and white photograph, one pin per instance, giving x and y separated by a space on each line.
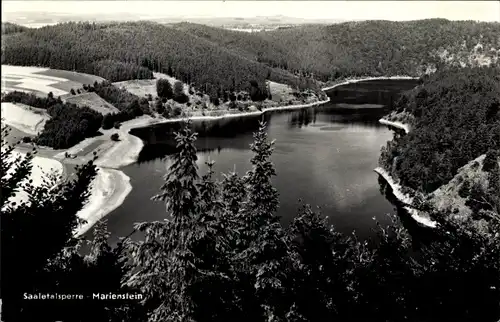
250 161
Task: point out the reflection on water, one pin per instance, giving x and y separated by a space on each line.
323 156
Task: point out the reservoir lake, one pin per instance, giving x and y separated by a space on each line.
324 156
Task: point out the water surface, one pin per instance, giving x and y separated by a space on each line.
323 156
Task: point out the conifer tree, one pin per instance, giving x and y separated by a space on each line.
210 191
264 253
162 264
213 291
177 261
313 242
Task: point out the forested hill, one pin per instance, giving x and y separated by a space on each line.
456 119
364 48
141 47
216 59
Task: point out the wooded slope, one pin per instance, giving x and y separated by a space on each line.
457 119
217 60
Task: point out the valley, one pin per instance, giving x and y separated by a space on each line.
343 171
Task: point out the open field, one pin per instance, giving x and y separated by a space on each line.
93 101
24 118
41 81
280 91
139 87
143 87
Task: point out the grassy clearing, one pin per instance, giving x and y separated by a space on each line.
139 87
280 92
93 101
143 87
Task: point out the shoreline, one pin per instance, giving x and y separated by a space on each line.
111 185
357 80
40 166
396 188
109 189
231 115
404 198
126 151
396 124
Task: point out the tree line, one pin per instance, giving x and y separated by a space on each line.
222 254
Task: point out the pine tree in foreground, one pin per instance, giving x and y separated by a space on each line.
262 257
178 261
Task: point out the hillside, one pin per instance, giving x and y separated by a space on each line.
456 119
364 48
479 177
93 101
450 159
122 51
215 60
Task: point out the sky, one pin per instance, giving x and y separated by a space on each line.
344 10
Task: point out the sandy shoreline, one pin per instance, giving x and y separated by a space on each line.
40 167
363 79
220 117
404 198
396 124
108 191
396 188
123 153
